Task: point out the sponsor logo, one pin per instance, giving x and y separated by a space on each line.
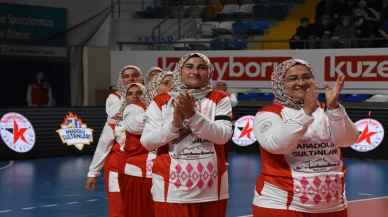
243 135
371 135
17 132
197 152
357 68
74 132
235 68
318 165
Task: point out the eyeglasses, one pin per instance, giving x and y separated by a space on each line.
294 79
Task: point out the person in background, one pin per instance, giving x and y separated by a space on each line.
322 30
342 31
300 145
108 152
39 92
129 74
222 86
151 72
302 33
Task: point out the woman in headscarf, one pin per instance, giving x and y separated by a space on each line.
222 86
129 74
300 144
135 165
151 72
108 152
188 127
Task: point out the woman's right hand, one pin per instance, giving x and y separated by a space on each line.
178 115
91 184
310 99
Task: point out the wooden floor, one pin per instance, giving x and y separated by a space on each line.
55 187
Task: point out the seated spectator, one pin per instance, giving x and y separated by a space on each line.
343 31
321 30
302 33
383 30
363 30
370 14
330 8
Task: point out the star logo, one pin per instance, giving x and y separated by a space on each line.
17 132
366 135
246 131
243 133
371 135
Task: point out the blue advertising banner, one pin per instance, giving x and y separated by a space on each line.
39 28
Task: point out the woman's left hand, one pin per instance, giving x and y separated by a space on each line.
332 94
188 103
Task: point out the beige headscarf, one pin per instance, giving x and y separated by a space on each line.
119 114
153 86
120 82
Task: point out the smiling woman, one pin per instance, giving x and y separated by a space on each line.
300 141
188 127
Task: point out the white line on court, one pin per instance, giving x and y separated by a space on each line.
50 205
364 194
5 210
92 200
9 165
71 202
28 208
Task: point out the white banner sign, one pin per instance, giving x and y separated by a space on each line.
366 70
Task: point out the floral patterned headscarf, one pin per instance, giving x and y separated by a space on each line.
153 86
278 76
120 82
153 68
119 114
180 86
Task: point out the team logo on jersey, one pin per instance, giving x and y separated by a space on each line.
197 152
318 165
74 132
243 135
371 135
17 132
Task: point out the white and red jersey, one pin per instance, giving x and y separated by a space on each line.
112 139
190 166
113 104
301 157
135 160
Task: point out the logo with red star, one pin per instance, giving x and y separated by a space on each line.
17 132
371 135
243 134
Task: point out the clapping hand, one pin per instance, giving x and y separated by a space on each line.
186 104
310 99
332 94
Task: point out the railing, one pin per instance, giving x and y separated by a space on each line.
129 7
151 45
178 22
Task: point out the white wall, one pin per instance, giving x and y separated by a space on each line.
96 72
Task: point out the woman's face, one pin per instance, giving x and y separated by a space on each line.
131 76
152 74
133 94
166 85
39 76
221 86
194 72
298 79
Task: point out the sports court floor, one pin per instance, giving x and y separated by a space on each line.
54 187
